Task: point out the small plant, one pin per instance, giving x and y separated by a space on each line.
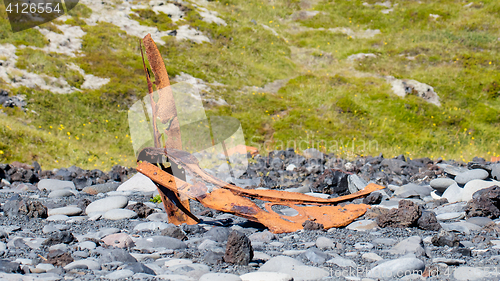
156 199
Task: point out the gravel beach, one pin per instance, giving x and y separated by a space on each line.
435 220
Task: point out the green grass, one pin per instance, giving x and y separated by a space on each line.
52 64
81 129
150 18
325 104
53 148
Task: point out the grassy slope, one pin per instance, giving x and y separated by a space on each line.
457 54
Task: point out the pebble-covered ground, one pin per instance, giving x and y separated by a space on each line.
435 220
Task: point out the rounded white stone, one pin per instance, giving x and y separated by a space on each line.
469 273
371 257
441 184
176 277
106 204
89 263
262 256
44 266
363 246
396 268
342 262
68 211
52 184
61 193
266 276
119 214
450 216
474 174
138 182
173 262
162 217
58 218
453 193
89 245
150 226
324 243
120 274
362 225
475 185
219 277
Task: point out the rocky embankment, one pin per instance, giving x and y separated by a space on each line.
435 220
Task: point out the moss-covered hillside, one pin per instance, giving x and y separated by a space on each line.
289 70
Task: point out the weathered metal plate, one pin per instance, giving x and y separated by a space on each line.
231 199
165 112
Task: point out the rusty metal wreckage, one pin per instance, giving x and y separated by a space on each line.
176 192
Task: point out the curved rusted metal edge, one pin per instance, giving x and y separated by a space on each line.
156 62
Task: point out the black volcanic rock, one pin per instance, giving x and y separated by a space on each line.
238 249
428 221
58 237
445 238
373 199
16 206
406 215
485 203
332 182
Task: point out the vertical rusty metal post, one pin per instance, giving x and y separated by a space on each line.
165 111
156 134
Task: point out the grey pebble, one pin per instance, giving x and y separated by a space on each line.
475 174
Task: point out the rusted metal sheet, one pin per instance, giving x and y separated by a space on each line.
164 111
232 199
176 192
190 163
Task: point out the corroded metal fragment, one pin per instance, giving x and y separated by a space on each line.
221 196
190 164
232 199
164 111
